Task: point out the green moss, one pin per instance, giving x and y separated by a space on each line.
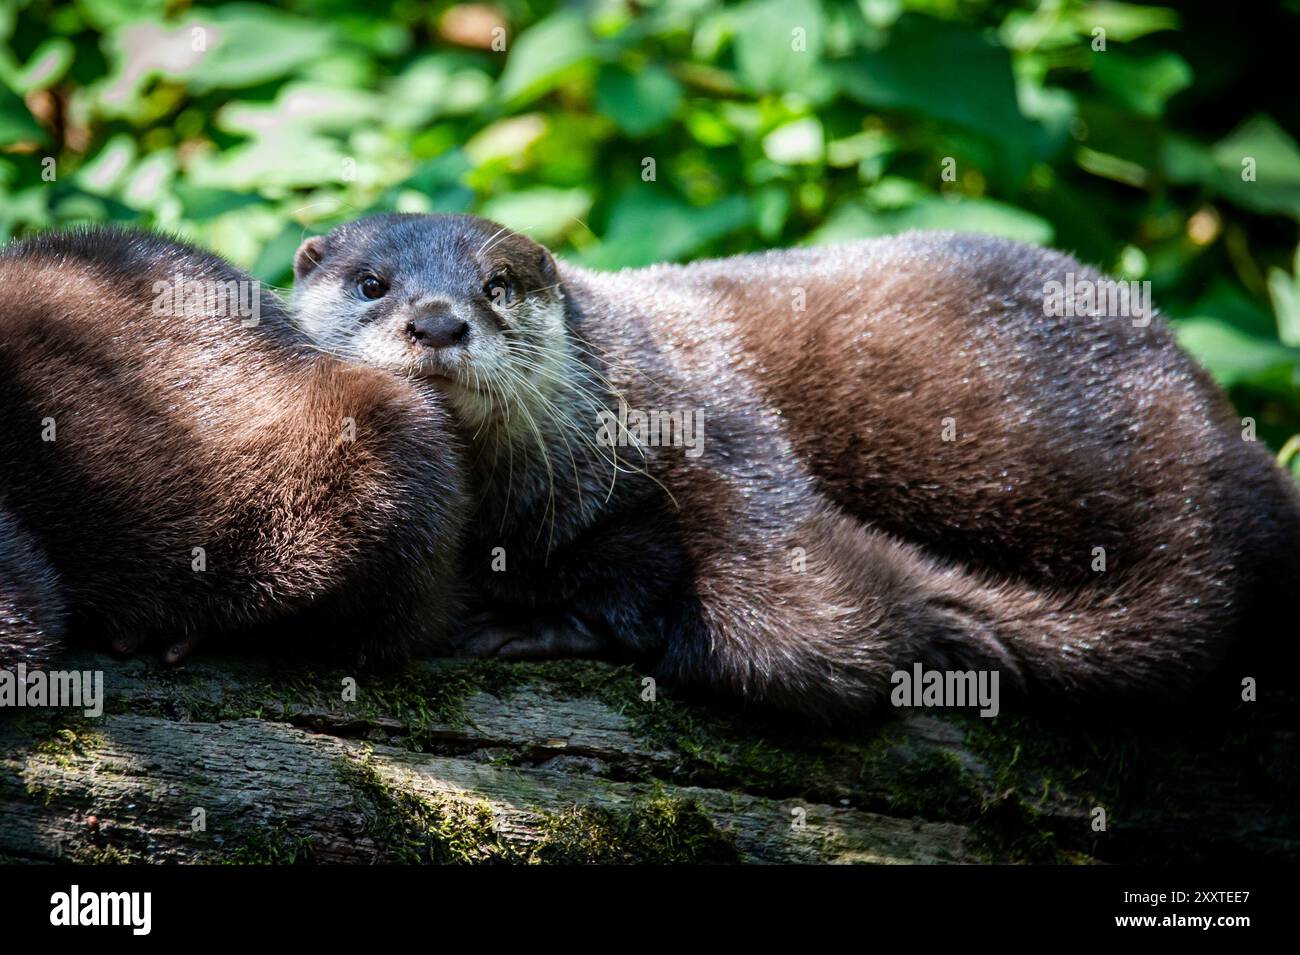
68 741
61 736
751 751
932 783
1033 757
276 845
1026 799
422 701
176 677
1010 829
58 733
657 830
754 756
408 829
93 854
718 747
1130 762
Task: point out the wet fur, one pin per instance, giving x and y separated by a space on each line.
176 432
823 438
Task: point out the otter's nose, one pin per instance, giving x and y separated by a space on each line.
437 330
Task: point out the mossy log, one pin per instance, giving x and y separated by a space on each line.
466 761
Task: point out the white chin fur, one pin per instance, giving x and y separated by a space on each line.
472 408
335 325
319 312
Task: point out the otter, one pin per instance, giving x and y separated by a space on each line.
905 459
181 462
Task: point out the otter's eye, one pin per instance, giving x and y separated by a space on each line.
500 289
371 287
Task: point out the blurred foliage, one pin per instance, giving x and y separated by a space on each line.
769 123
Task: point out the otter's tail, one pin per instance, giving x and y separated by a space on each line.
31 604
829 641
1152 636
1149 633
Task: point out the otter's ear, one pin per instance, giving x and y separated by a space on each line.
546 267
309 255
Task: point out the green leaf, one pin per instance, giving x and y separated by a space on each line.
149 185
1284 290
46 66
275 263
434 86
778 43
642 102
16 123
1259 148
439 182
29 207
1126 21
105 14
230 47
544 55
544 212
796 143
449 169
103 174
311 106
949 73
852 221
507 139
771 210
1184 160
202 203
1233 356
252 44
1228 302
849 222
977 215
647 226
292 160
1141 84
1262 148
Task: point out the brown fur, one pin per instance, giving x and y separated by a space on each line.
1072 433
827 536
177 432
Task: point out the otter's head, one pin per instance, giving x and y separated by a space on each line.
456 299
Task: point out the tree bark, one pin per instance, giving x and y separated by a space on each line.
461 761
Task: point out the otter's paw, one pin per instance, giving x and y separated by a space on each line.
180 648
125 645
535 640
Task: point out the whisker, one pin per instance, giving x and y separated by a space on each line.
571 384
486 245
